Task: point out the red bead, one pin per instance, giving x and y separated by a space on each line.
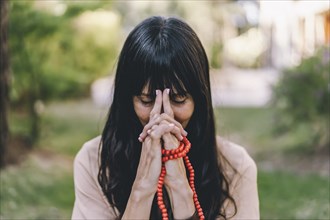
180 152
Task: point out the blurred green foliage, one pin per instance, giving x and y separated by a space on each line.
50 58
302 98
57 56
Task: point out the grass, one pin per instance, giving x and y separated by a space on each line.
42 187
31 191
254 128
284 195
67 126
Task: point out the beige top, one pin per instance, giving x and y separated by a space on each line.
90 202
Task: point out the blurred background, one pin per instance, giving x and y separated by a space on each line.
270 64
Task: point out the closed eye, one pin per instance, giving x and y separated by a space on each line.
146 99
147 102
179 99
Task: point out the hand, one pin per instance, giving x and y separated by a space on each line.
165 127
150 160
176 182
175 169
149 168
156 118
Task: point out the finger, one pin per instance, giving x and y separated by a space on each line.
152 128
153 121
160 130
158 104
174 130
154 113
165 128
166 117
166 103
162 118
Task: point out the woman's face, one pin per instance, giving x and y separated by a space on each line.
183 107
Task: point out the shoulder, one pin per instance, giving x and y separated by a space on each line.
87 157
241 173
89 149
90 202
234 159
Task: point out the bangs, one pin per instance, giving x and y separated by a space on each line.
156 71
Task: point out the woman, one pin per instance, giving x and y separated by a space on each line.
162 96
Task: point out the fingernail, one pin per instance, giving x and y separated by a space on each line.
185 133
140 139
149 131
181 138
171 125
168 91
157 91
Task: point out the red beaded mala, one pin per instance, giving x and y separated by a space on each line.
179 152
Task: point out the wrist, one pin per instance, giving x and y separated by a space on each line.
170 141
142 190
180 187
139 202
181 197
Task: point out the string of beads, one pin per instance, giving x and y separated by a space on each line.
180 152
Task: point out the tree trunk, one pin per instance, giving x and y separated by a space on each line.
4 82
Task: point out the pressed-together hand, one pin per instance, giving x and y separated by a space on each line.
162 130
171 132
164 126
150 160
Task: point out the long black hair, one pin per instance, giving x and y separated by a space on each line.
161 53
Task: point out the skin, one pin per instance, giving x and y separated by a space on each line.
164 121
